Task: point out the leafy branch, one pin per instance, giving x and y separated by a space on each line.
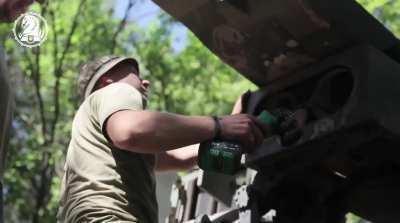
43 183
121 26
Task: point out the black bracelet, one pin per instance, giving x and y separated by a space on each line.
217 128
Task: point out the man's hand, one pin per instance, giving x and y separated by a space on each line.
243 128
256 130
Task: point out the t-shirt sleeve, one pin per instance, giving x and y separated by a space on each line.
116 97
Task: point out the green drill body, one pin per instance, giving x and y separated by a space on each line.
225 157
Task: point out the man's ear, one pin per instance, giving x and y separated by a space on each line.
103 81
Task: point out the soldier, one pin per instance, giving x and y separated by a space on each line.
9 11
116 145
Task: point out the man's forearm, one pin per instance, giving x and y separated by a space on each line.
178 159
154 132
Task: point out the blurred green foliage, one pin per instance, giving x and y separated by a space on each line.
386 11
191 81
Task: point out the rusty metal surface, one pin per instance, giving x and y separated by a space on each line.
266 40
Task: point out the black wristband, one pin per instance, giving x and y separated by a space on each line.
217 128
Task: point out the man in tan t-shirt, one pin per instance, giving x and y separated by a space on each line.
116 145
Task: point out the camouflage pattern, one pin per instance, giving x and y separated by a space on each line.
268 40
92 71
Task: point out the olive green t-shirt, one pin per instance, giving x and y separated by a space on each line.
102 183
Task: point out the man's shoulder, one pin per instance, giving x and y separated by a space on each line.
112 98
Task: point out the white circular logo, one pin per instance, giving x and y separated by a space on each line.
30 29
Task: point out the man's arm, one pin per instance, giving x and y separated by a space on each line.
155 132
186 158
178 159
